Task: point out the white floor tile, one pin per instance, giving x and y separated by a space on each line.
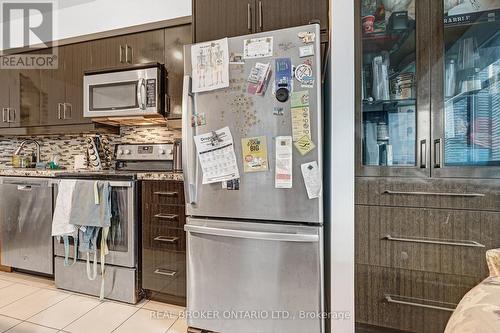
65 312
7 322
15 292
164 307
102 319
180 326
31 280
32 304
143 321
5 283
30 328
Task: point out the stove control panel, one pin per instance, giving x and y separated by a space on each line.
145 152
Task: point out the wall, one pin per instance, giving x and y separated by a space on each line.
340 174
66 147
81 17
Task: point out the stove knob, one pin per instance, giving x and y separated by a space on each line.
162 152
127 152
119 152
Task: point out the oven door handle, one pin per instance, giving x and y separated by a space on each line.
141 94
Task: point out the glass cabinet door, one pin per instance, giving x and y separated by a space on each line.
393 96
466 104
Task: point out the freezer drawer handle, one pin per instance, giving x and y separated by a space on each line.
447 194
167 194
166 239
167 272
464 243
25 188
167 216
271 236
419 302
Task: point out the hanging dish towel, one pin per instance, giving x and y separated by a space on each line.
61 227
91 213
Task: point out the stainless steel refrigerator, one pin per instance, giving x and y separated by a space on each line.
255 251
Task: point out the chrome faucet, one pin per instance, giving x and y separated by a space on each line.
24 143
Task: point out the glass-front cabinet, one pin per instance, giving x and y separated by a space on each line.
393 106
466 101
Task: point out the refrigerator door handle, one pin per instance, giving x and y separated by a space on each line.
270 236
189 161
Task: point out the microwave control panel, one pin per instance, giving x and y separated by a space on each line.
151 93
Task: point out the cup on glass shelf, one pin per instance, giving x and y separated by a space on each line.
367 22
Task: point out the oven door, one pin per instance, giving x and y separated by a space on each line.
123 234
123 93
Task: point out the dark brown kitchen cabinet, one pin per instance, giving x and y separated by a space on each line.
5 82
62 88
164 241
279 14
133 49
215 19
175 39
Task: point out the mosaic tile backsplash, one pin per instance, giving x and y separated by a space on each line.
67 146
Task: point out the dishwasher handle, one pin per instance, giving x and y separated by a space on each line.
258 235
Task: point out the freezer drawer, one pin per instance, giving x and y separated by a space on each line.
254 277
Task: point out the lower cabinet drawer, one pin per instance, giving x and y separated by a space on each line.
408 300
164 272
433 240
170 216
171 239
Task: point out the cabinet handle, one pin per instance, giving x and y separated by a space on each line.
472 195
166 272
166 239
418 302
4 118
423 154
59 113
249 17
8 114
261 18
70 107
167 216
127 60
167 194
464 243
121 54
13 113
437 153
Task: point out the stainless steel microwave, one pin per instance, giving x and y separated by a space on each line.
125 92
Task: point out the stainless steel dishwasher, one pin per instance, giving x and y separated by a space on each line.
26 224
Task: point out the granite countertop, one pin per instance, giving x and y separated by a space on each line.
18 172
160 176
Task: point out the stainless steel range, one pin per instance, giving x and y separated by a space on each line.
122 278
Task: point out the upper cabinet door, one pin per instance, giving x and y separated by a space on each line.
78 59
108 52
175 39
393 98
53 91
466 89
145 47
214 19
278 14
25 98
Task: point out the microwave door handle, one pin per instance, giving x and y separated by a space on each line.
189 161
141 93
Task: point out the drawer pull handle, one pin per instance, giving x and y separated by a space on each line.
420 302
465 243
470 195
167 216
166 239
167 194
166 272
